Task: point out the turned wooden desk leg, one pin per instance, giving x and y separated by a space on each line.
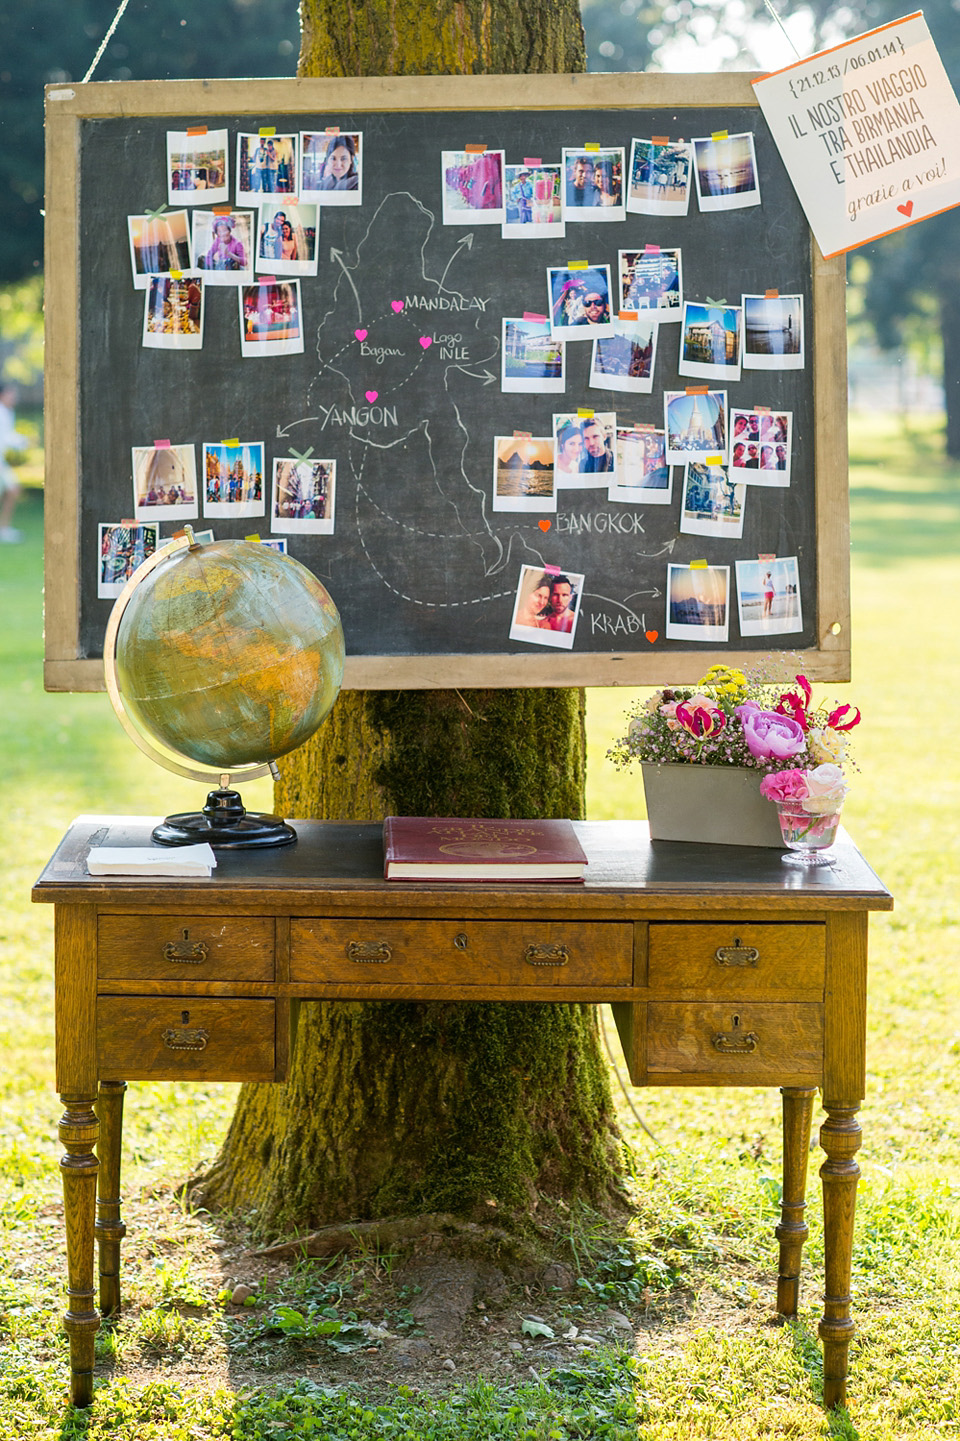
109 1228
793 1229
78 1135
840 1138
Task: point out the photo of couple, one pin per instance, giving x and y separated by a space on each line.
546 608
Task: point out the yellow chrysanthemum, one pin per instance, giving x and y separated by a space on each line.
727 682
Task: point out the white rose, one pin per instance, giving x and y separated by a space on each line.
826 789
827 745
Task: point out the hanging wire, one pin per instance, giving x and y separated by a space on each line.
106 40
626 1094
780 23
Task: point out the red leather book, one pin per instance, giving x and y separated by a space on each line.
420 848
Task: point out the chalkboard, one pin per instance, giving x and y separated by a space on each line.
399 380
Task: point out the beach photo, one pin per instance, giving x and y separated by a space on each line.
698 602
768 596
773 332
523 473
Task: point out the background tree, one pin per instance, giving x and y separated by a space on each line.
396 1108
45 41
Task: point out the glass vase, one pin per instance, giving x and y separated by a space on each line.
808 837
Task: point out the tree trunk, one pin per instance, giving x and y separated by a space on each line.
398 1108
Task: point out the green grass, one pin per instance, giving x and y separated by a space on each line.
699 1261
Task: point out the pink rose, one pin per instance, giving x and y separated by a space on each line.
826 789
769 736
784 786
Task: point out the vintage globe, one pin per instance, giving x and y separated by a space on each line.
226 655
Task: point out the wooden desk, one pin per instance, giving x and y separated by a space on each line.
723 968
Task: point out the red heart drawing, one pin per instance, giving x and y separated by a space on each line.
907 209
426 342
544 524
651 635
360 334
397 305
371 395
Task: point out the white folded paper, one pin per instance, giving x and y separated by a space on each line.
196 860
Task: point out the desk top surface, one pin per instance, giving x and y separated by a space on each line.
346 858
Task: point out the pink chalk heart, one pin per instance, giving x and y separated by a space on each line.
544 525
397 305
371 395
651 635
426 342
360 334
907 209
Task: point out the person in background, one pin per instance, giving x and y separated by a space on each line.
11 443
562 601
340 165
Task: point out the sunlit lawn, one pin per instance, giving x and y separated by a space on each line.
66 755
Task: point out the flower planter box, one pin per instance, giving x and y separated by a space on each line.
716 805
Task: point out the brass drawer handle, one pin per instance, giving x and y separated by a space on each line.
737 955
546 954
736 1042
185 953
186 1038
369 953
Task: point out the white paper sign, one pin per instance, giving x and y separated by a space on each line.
868 133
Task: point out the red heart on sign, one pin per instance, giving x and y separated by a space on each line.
907 209
544 524
651 635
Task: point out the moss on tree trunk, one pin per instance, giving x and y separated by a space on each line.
394 1107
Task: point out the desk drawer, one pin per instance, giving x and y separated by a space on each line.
744 962
759 1044
185 948
169 1038
480 953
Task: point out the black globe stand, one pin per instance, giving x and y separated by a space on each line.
224 824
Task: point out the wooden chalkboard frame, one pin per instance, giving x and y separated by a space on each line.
69 108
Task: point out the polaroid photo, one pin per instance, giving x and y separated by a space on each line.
773 332
534 208
726 172
584 457
624 361
203 537
123 547
275 542
710 342
642 475
532 360
173 313
660 173
523 473
271 322
582 304
472 184
287 235
223 246
197 167
695 424
233 479
331 169
304 496
266 165
164 482
158 245
698 599
593 184
651 280
768 596
547 606
760 443
713 503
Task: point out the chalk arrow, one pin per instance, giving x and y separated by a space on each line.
466 241
337 255
485 375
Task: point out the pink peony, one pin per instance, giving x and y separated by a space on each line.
769 736
784 785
